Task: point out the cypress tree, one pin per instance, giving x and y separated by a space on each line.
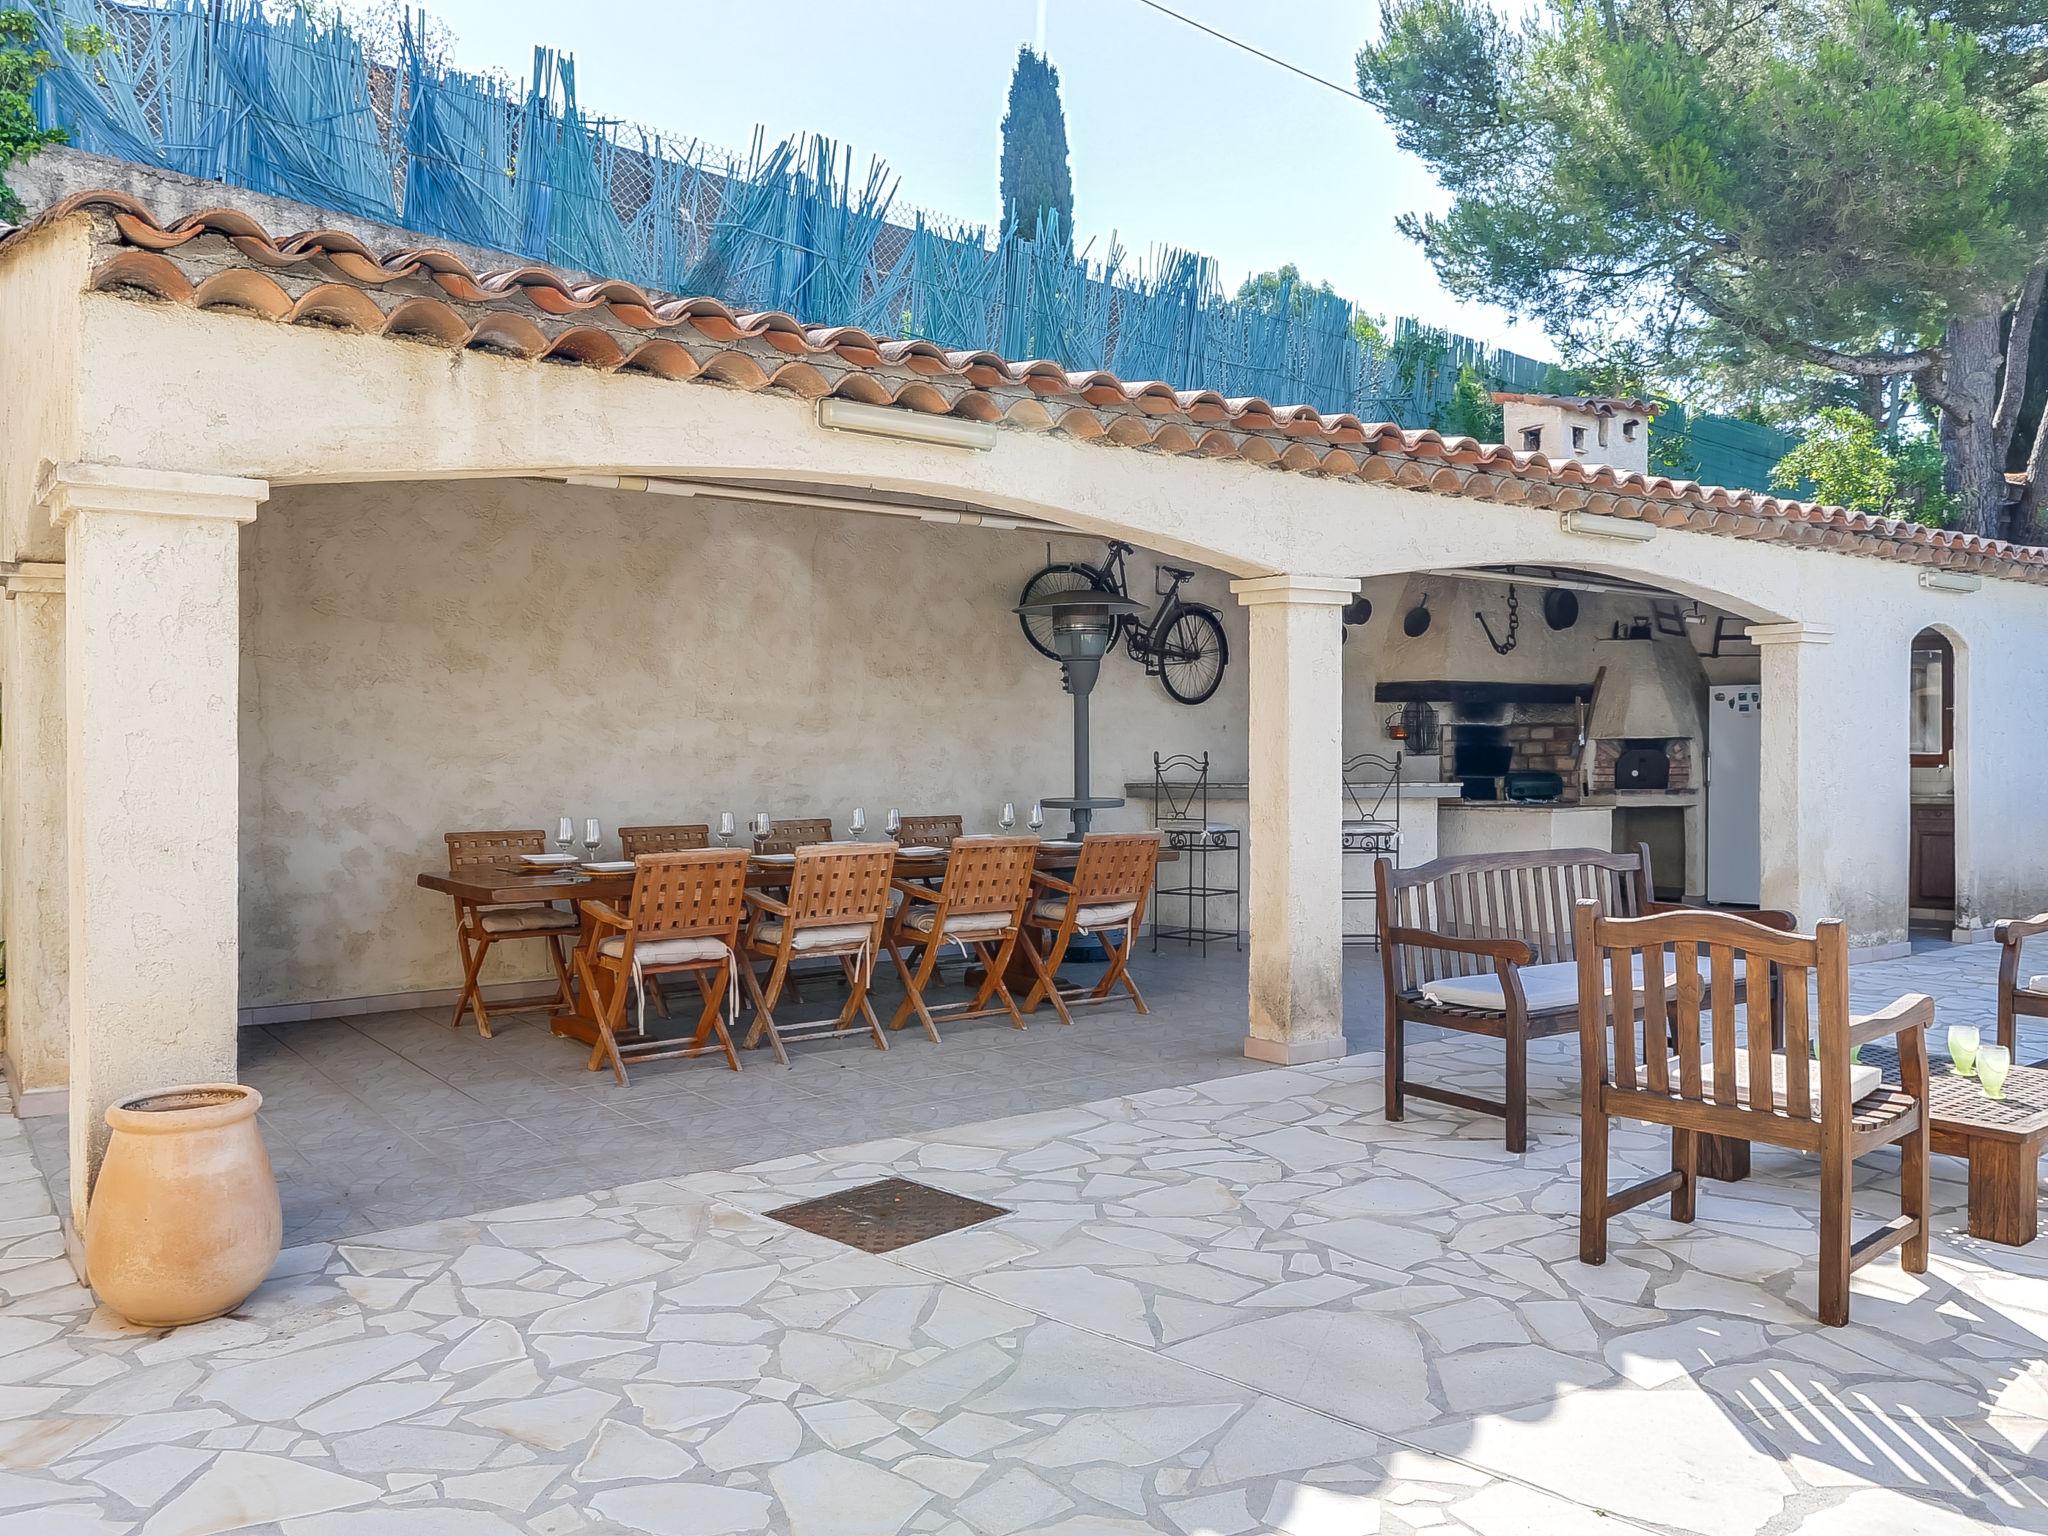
1035 181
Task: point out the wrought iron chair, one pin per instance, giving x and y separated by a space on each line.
1830 1107
1106 895
1180 810
682 918
978 906
480 925
837 903
1372 825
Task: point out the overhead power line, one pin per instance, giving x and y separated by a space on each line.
1257 53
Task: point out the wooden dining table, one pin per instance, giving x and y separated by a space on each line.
513 883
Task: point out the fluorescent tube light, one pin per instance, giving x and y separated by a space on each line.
1950 581
1596 526
910 426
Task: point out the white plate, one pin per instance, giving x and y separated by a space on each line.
548 860
1059 842
919 851
607 866
775 858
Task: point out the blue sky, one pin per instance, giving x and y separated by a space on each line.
1175 137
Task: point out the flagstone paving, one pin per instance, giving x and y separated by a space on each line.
1245 1305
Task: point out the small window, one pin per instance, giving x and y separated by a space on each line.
1933 700
1578 438
1532 439
1629 430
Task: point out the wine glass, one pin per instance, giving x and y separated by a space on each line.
565 834
893 824
1037 821
858 823
761 823
725 829
1008 820
593 836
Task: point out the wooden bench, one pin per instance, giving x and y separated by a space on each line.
1500 927
2018 996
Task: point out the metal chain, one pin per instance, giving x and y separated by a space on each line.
1502 647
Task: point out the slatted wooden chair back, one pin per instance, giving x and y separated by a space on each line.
691 893
988 874
1713 1066
1504 896
634 841
1115 867
929 831
788 836
471 851
840 883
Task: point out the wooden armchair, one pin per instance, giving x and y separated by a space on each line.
788 836
930 831
837 902
634 841
682 918
1744 1088
2018 998
1483 944
1107 894
478 926
978 906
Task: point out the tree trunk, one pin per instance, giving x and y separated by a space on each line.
1972 471
2026 516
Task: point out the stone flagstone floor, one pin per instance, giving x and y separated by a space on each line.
1246 1305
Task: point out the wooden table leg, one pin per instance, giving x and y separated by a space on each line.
2004 1192
579 1022
1722 1158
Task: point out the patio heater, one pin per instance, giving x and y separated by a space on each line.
1084 626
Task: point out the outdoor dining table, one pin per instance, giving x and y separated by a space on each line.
512 882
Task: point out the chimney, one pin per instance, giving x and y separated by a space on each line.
1594 429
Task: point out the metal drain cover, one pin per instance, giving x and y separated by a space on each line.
885 1216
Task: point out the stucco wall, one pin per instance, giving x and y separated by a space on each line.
419 658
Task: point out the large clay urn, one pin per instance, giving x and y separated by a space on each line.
184 1221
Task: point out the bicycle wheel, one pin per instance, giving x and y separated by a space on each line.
1061 576
1193 654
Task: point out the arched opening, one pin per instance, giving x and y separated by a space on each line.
1936 747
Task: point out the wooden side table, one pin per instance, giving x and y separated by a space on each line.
2002 1139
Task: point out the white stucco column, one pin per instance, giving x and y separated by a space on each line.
1297 789
33 892
1836 781
152 672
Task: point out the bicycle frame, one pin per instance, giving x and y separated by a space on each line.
1139 633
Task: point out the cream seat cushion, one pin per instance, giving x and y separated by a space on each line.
1354 824
665 951
525 919
968 925
1544 987
2036 984
836 936
1863 1080
1054 910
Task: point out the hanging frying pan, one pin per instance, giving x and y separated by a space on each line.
1560 608
1415 621
1358 610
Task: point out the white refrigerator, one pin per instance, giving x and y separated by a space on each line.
1734 810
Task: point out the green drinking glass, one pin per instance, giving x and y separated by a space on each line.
1993 1062
1962 1047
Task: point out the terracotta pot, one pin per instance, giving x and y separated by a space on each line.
184 1221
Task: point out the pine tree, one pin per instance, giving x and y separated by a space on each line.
1035 182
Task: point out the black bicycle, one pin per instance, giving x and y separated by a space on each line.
1181 644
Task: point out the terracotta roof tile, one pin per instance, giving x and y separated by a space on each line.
222 259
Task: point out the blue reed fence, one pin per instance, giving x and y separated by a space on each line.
289 103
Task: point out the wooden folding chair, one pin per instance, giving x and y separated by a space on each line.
1745 1089
837 902
479 925
978 906
1106 895
634 841
788 836
682 918
929 831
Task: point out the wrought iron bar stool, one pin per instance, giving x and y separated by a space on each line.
1180 810
1372 826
